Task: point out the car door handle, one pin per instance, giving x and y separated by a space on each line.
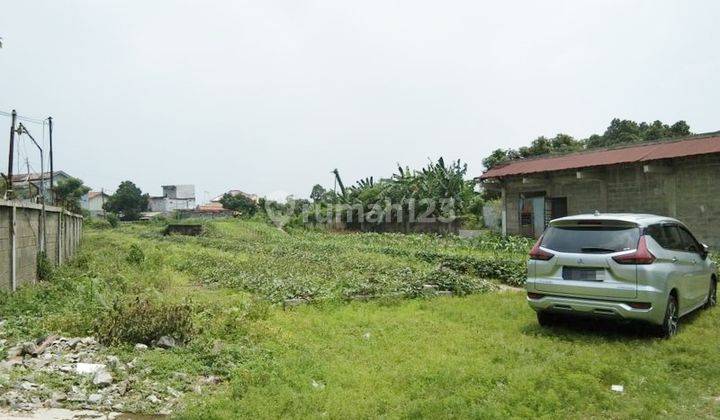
694 261
674 260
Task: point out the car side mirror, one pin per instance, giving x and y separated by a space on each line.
705 250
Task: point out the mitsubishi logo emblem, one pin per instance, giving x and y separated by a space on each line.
580 261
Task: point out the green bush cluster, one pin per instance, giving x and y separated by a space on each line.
509 271
508 243
112 219
446 278
142 320
44 266
135 255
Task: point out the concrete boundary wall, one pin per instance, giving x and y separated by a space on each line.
21 240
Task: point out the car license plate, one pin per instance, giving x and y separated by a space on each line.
583 274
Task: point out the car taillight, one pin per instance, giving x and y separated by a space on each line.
641 255
538 254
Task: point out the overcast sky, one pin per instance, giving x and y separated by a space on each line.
270 96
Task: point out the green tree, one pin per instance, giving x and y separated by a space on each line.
619 132
128 201
679 129
497 157
317 193
68 193
622 132
239 203
565 143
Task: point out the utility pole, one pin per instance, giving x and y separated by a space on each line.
9 193
29 187
52 186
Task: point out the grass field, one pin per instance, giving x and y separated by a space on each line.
371 341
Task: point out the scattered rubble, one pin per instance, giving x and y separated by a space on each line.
78 374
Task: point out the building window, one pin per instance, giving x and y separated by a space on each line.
558 207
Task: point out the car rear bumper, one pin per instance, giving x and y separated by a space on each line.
598 308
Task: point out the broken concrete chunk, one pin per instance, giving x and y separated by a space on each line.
89 368
102 378
165 342
140 347
94 398
58 396
27 348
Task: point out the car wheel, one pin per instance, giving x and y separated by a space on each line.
669 326
712 294
545 319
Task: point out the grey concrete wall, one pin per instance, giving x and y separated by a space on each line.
20 240
685 188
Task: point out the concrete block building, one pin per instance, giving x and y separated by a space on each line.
94 201
677 178
175 197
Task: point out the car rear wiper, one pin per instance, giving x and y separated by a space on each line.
596 249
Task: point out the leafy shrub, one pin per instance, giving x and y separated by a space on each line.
136 255
112 219
96 223
141 320
460 284
509 243
510 271
44 266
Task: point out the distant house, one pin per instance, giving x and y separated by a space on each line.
676 178
175 197
29 185
93 202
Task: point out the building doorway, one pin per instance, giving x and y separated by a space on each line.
532 214
536 211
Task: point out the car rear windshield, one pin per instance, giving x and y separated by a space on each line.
591 239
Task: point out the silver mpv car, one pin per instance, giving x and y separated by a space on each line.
628 266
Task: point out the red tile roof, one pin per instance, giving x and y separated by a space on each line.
93 194
698 145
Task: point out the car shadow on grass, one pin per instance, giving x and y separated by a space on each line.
575 328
